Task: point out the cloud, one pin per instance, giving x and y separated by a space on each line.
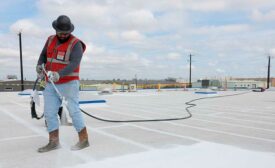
174 56
92 14
132 36
94 50
220 70
8 52
272 52
139 19
249 4
263 17
213 63
28 27
210 5
231 28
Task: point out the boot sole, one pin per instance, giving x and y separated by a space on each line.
74 148
43 151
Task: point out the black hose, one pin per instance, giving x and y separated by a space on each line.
33 111
189 103
124 121
193 105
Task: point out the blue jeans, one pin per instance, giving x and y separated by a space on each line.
52 103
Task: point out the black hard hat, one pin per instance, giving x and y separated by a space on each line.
63 24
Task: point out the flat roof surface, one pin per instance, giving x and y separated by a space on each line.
224 132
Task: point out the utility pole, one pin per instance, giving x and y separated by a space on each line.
136 80
268 72
190 71
21 61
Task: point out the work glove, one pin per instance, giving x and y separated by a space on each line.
39 71
53 76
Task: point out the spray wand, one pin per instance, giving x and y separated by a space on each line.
63 120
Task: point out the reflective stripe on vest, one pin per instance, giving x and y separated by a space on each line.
58 61
50 40
69 50
73 74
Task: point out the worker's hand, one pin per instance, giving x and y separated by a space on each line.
54 76
39 71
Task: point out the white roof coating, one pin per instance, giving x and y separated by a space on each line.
225 132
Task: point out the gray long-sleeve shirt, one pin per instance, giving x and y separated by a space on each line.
75 58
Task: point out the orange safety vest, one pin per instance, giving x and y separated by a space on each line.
58 57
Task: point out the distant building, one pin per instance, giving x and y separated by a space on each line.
259 82
207 83
180 80
245 84
14 85
233 83
11 77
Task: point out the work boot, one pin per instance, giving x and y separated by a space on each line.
53 142
83 140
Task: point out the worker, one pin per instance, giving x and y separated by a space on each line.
61 56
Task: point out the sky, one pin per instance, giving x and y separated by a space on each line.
147 39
